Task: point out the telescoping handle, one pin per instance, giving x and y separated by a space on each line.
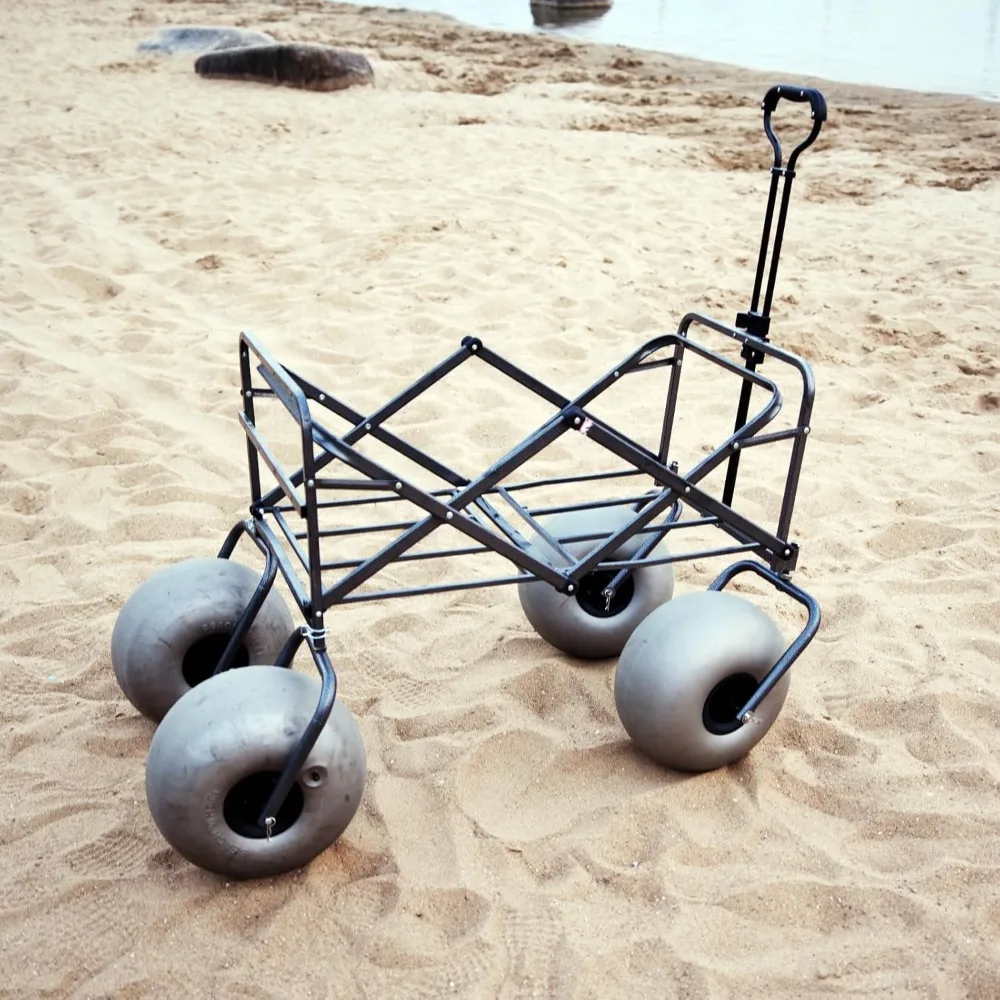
799 95
757 320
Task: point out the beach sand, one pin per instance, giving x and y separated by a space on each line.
565 203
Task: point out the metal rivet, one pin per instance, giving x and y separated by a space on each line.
449 515
687 489
248 394
577 421
805 430
322 396
570 589
787 553
617 374
368 427
311 483
736 446
313 778
398 486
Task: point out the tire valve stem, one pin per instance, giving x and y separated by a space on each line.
268 826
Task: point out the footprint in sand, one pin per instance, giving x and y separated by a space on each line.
116 853
509 783
94 286
537 952
912 537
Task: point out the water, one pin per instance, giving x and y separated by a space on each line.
949 46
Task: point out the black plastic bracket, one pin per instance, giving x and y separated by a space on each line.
785 564
754 323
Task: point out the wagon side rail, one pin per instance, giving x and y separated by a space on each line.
466 504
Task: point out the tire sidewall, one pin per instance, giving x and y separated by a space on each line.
673 662
173 610
213 738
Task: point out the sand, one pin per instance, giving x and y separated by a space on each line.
565 203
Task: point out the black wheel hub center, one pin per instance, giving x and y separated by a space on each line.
590 595
724 701
248 797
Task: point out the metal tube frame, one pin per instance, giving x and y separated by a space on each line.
467 505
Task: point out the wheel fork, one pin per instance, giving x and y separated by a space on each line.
783 584
315 634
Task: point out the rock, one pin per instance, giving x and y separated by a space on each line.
557 13
202 38
293 64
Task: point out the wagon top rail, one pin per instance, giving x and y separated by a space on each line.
288 514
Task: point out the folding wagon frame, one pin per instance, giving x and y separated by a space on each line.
595 568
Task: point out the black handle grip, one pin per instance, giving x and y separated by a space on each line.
797 94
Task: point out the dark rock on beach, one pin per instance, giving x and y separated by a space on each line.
310 67
202 38
553 13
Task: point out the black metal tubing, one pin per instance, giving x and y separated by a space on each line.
232 539
785 586
740 440
452 513
301 594
517 487
293 539
739 527
657 530
532 485
449 506
757 321
327 696
371 424
250 612
294 400
291 647
512 545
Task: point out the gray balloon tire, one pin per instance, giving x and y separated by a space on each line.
173 609
231 727
560 619
672 663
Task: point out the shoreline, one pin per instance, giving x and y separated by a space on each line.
456 21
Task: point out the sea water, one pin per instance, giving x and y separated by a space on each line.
949 46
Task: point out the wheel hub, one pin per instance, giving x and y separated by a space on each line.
248 797
590 595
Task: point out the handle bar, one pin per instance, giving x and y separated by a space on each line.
799 95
